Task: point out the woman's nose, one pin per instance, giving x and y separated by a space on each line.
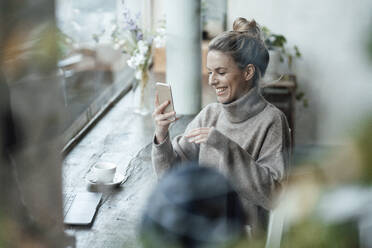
212 79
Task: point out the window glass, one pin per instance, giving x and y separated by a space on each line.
94 71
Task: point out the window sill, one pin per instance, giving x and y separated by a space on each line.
124 138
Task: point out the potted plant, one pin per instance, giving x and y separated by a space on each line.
280 53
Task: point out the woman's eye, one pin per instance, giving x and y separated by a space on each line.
209 73
222 73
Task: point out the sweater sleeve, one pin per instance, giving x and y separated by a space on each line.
256 180
167 154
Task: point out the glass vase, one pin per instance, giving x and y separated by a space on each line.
140 96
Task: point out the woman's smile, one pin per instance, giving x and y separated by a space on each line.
221 91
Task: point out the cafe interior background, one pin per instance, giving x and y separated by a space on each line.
65 65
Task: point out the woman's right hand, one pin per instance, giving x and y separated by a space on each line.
162 121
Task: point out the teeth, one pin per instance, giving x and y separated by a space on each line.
220 90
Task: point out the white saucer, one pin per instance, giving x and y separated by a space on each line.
118 179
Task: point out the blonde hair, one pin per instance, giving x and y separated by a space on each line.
245 45
250 27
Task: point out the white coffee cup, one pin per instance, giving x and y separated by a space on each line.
104 172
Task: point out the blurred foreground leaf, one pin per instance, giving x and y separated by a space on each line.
314 233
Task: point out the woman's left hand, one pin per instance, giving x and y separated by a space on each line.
198 135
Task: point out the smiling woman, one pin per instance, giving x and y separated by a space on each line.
226 77
243 136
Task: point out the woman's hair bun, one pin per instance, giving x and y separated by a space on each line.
250 27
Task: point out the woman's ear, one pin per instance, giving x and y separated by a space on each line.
249 72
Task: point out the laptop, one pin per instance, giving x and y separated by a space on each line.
80 208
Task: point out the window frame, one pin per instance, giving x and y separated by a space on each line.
97 109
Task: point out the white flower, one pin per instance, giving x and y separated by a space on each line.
138 74
117 46
139 59
142 47
131 62
159 41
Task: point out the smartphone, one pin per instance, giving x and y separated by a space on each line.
165 94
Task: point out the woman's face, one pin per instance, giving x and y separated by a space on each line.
228 80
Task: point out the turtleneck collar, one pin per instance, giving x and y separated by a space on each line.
245 107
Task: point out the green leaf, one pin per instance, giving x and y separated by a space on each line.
265 29
279 40
300 95
297 52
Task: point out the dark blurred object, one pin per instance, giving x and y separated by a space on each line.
30 167
12 206
193 206
7 128
205 35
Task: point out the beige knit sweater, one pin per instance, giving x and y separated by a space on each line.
249 143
